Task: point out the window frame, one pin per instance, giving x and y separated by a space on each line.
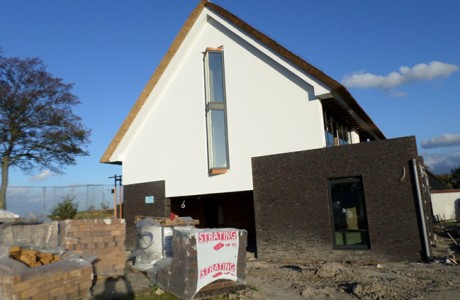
367 243
215 106
336 132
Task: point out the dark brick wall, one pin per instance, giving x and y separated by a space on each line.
237 210
134 205
292 205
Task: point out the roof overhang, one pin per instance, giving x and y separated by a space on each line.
351 113
334 95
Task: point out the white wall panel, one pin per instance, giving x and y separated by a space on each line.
270 110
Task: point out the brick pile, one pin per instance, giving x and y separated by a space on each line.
103 238
182 279
61 280
32 258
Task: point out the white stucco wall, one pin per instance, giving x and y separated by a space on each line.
444 204
270 110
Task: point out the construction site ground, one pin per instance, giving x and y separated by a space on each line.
437 279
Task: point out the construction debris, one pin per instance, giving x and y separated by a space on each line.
173 220
32 258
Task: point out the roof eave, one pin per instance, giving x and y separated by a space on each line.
335 86
257 35
180 37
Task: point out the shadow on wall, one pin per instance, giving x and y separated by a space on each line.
457 209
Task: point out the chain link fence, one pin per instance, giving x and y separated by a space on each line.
24 199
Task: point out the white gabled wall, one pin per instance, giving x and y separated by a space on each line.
269 108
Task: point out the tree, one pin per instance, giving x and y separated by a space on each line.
452 179
455 179
65 210
38 129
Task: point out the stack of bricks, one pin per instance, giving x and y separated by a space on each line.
183 276
65 279
103 238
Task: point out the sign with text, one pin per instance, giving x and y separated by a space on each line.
217 254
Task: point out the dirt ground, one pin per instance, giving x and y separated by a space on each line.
352 281
438 279
331 280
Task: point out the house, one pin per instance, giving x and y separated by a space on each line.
235 130
446 204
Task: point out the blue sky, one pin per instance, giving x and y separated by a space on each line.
400 60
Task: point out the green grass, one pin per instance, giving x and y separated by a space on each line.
95 214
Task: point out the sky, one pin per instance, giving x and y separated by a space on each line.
399 59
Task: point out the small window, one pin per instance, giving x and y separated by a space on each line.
349 216
216 112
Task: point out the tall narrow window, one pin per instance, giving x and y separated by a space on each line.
216 115
348 213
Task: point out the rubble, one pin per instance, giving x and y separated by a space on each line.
32 258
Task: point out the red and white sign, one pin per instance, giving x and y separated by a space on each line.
217 254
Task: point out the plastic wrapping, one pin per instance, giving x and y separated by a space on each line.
8 216
69 278
160 273
154 241
34 230
202 256
12 266
103 238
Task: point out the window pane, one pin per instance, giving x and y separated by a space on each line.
329 133
216 77
218 139
343 136
349 214
337 133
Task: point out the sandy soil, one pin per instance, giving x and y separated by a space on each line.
330 280
351 281
346 280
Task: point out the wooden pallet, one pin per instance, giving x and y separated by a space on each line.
178 221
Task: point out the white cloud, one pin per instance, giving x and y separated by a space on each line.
403 76
445 140
442 163
397 94
42 176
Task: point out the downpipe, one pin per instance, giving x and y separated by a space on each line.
425 244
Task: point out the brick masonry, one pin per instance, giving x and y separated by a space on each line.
103 238
134 205
61 280
292 205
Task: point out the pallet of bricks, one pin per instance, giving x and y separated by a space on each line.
188 276
49 273
63 279
102 238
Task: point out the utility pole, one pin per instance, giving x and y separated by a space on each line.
117 183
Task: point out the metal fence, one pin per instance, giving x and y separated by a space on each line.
22 199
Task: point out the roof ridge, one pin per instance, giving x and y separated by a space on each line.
259 36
